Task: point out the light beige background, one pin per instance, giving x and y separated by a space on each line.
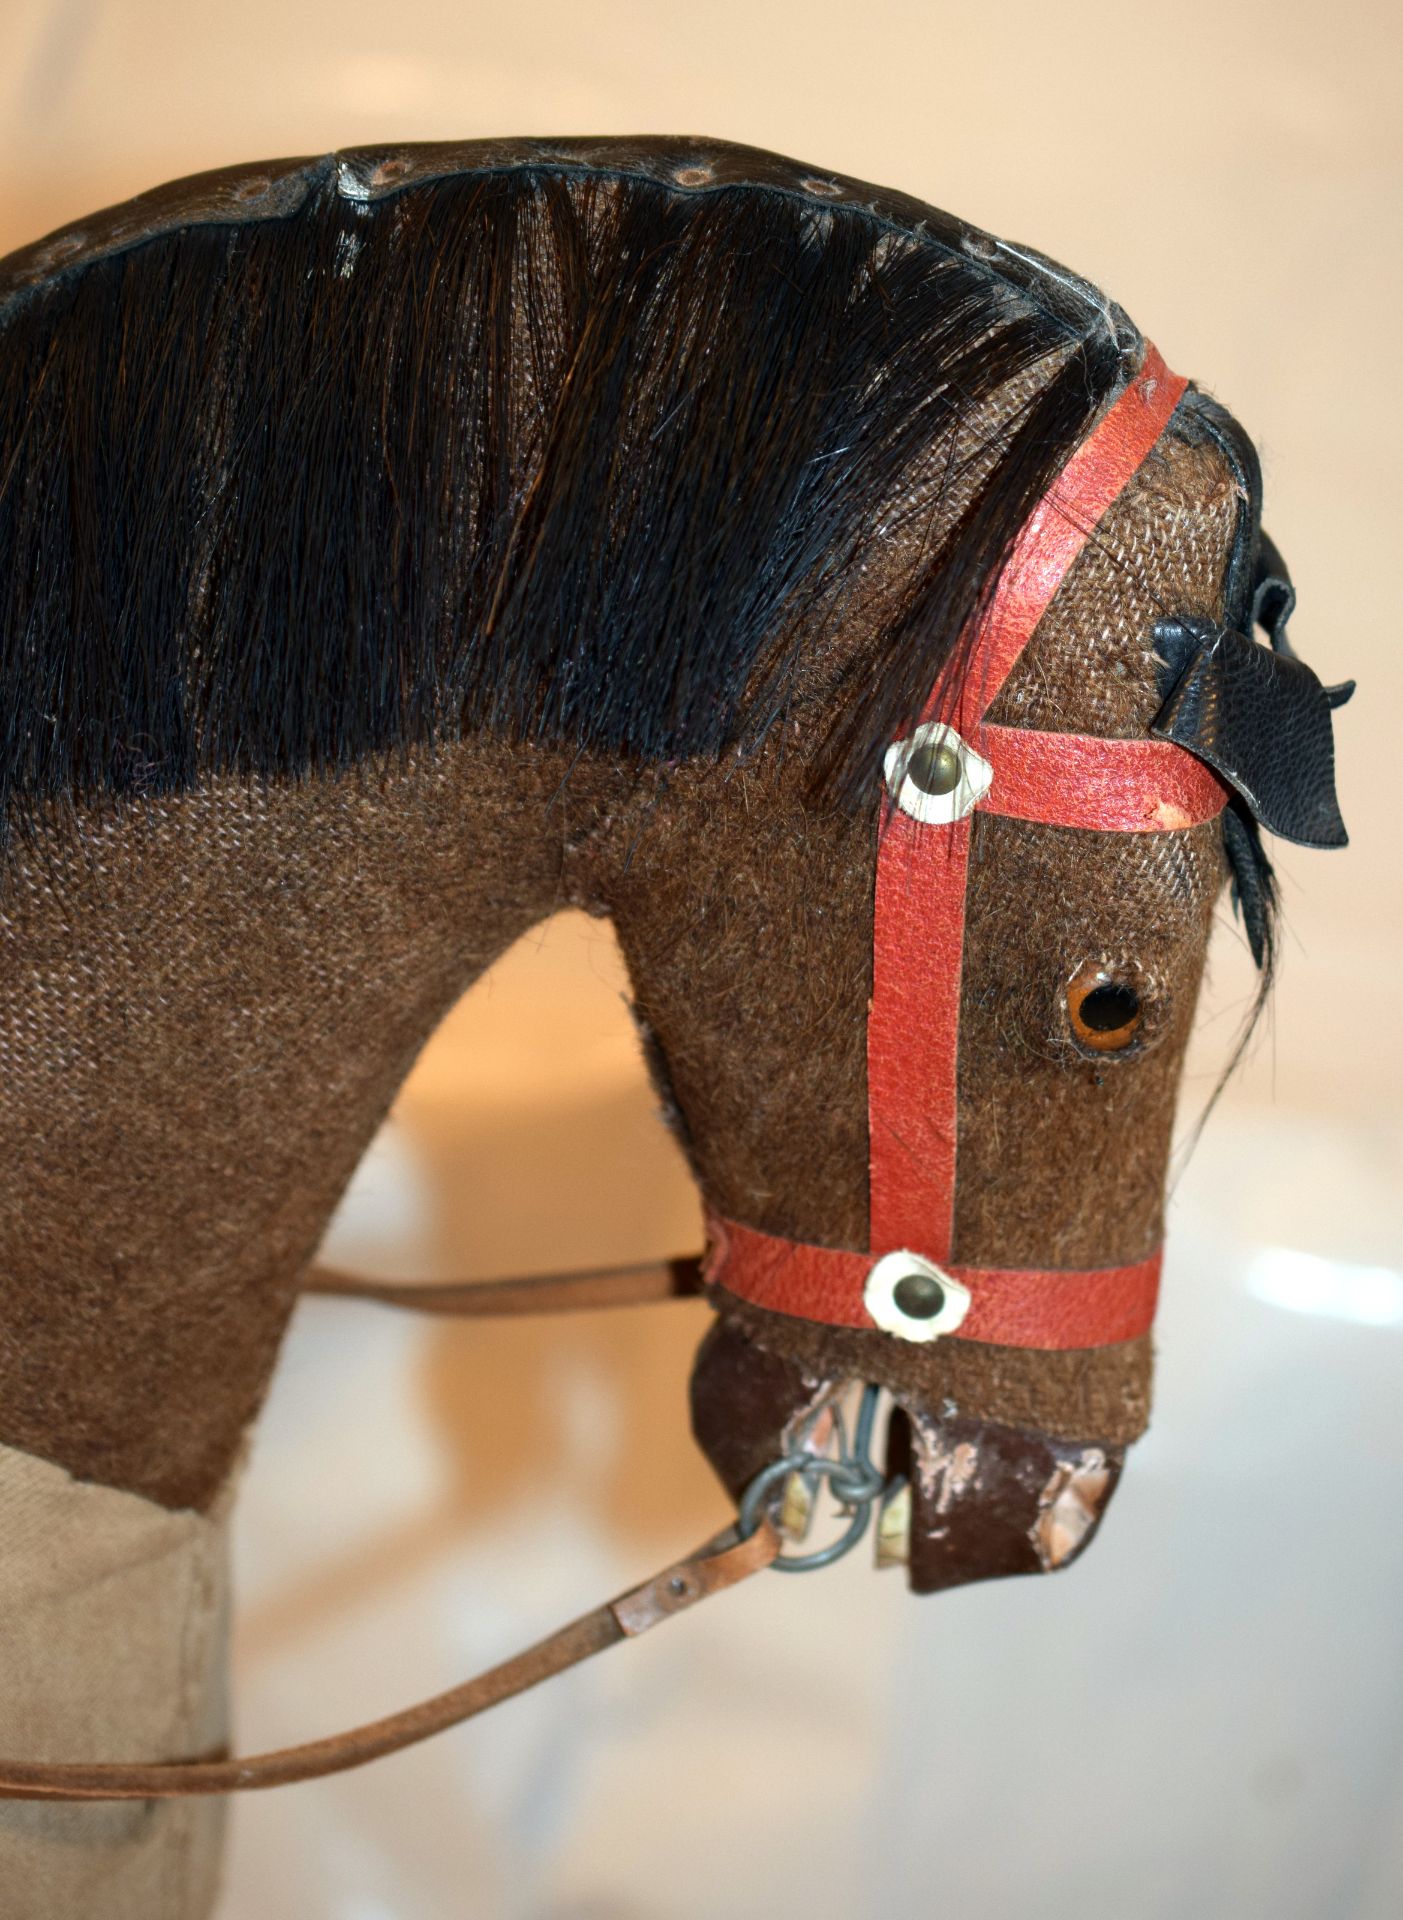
1206 1718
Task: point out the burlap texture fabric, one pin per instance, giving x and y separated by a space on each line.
208 1001
748 975
115 1616
1066 1167
206 1005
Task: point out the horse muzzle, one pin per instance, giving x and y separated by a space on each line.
959 1500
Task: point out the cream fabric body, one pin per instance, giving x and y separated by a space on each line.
115 1619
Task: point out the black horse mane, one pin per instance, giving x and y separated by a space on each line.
550 451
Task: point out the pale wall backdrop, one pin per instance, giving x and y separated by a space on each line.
1206 1718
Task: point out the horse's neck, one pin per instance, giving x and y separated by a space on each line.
207 1003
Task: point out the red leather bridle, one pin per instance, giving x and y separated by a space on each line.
1064 780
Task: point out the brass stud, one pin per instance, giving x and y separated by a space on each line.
935 767
919 1296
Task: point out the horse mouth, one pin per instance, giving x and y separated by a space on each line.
966 1499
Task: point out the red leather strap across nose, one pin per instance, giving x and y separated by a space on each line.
1012 1306
1124 786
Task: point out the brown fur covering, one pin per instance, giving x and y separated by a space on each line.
1066 1167
209 1001
206 1005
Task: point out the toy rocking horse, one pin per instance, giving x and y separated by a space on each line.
399 547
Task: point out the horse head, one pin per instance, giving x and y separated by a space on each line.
925 1052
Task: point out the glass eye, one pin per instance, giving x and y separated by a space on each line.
1104 1009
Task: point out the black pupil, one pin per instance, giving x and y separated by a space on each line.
1107 1009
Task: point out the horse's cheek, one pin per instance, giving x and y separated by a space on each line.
1062 1153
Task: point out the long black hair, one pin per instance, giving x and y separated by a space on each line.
573 449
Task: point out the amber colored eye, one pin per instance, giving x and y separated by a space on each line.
1104 1010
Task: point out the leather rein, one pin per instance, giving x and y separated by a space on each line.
719 1563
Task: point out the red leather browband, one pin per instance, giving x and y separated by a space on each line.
1116 786
1122 786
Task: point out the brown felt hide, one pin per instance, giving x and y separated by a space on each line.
207 1004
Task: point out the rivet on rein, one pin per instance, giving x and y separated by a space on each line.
914 1299
935 776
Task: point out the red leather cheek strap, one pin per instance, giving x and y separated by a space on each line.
913 1029
1059 527
1131 786
913 1023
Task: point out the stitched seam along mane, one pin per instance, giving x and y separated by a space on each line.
554 453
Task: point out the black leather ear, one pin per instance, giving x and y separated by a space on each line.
1261 719
1273 596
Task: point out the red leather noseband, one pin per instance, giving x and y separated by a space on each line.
1116 786
1011 1306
